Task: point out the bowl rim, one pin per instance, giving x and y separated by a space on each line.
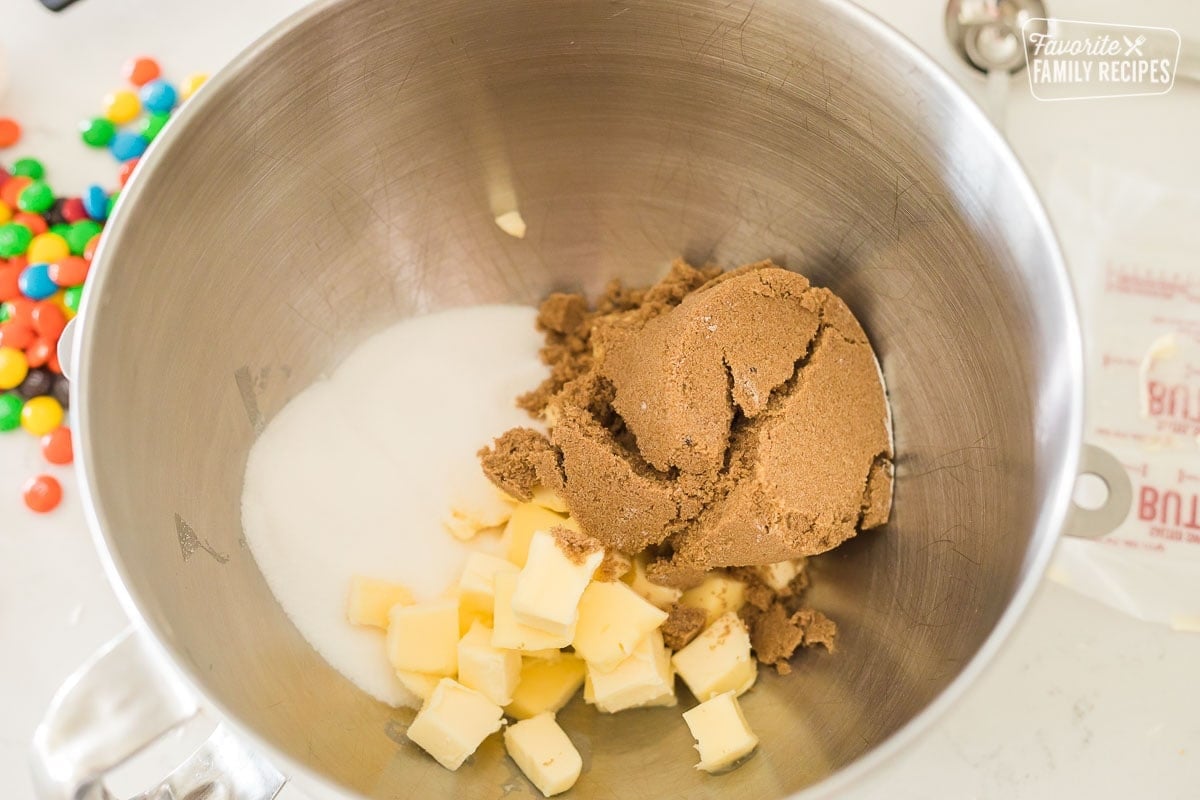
1047 526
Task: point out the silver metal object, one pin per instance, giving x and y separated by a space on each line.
987 33
1092 523
345 172
126 697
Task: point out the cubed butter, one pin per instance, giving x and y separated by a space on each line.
424 637
477 588
453 723
548 499
717 594
779 576
492 672
511 634
721 732
546 685
418 683
644 678
371 599
718 660
544 753
470 515
525 520
551 583
662 596
613 621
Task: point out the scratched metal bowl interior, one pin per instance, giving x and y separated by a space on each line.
345 173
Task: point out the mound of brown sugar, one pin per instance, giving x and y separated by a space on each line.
723 419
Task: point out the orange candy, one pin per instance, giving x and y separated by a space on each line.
10 132
40 353
42 493
57 448
21 310
10 275
126 170
12 189
89 250
48 321
71 271
36 224
141 70
15 335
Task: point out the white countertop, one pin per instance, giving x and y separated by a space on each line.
1082 702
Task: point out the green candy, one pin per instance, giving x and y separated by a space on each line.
79 233
14 239
10 411
28 168
112 204
61 228
97 132
36 198
71 297
5 312
153 124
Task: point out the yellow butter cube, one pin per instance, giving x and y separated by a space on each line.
546 685
662 596
613 620
370 601
476 587
419 683
718 660
492 672
548 499
645 678
525 520
550 584
453 722
721 732
717 594
424 637
510 633
470 515
544 753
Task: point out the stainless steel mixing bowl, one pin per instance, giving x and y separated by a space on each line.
345 173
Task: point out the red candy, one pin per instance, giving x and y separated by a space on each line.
42 493
10 132
40 353
48 321
57 448
35 222
141 70
71 271
126 170
16 335
73 210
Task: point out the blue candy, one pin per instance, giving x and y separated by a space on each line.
95 202
34 282
158 96
126 145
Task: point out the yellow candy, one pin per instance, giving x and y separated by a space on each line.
13 368
122 106
59 299
41 415
47 248
191 83
5 213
